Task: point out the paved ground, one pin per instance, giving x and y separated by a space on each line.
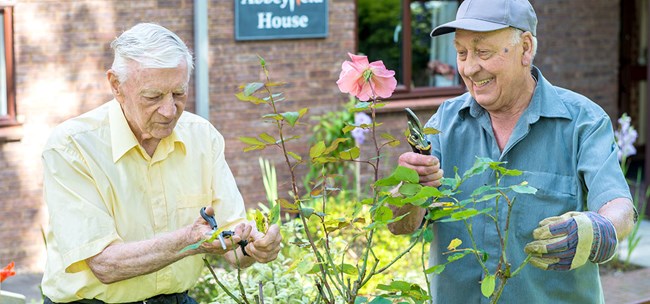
620 288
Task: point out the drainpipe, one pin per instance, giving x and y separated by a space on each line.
201 83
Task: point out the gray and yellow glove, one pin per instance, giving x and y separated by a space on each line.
568 241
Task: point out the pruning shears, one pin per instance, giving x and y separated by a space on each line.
415 134
224 234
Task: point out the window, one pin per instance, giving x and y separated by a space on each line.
7 87
424 66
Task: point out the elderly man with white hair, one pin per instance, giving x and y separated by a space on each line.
124 184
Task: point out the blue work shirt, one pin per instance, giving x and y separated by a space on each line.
564 143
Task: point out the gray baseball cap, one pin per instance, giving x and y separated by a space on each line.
491 15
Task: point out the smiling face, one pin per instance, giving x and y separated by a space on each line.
495 70
152 100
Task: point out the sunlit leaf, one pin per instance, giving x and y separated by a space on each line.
275 84
430 131
335 145
406 174
274 214
252 87
253 148
294 156
350 154
277 117
317 149
487 285
267 138
251 140
348 128
453 244
253 99
387 136
260 221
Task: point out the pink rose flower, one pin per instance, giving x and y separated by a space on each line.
366 80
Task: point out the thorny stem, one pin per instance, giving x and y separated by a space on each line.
225 289
296 198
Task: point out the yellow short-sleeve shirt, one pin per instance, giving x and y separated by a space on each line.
101 187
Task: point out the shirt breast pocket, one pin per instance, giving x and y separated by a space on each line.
556 194
188 207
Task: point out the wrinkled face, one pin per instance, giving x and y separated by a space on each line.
493 68
152 99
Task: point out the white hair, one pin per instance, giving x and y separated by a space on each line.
151 46
516 39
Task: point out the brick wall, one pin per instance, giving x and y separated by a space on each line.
62 53
579 47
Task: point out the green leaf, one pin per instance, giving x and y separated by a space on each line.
253 148
388 181
262 61
350 154
335 145
488 197
348 269
291 117
277 117
251 140
524 188
457 256
252 87
487 286
361 300
361 106
294 156
267 138
251 98
428 235
274 214
348 128
437 269
406 174
317 149
383 214
430 131
380 300
387 136
410 189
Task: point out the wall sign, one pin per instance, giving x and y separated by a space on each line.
280 19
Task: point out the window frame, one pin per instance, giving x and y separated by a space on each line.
404 91
10 119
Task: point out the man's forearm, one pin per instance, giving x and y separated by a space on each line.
410 223
123 261
620 212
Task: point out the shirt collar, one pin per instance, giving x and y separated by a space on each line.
123 139
545 102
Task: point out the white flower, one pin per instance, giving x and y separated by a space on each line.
625 136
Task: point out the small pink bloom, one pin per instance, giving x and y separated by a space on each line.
366 80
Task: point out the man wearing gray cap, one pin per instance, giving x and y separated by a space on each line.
561 140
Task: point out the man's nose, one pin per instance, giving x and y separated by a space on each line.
168 107
471 65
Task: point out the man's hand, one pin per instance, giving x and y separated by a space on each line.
262 247
427 167
568 241
201 229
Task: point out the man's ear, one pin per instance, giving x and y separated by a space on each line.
114 82
527 48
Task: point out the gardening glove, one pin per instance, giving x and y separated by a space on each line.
568 241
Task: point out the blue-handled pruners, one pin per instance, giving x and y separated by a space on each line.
415 134
213 223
